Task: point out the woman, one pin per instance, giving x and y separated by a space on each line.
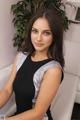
37 70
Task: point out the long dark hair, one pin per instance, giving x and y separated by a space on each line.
55 23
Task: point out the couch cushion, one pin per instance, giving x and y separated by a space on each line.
62 104
78 86
9 108
4 74
72 57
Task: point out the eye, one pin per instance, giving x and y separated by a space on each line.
47 33
34 31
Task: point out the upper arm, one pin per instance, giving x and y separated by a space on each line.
9 82
48 89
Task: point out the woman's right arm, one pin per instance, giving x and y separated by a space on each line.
7 90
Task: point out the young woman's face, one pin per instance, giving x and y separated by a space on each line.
41 35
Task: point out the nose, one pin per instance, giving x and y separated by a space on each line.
39 37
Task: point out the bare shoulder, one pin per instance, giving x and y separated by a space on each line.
8 85
14 67
53 74
17 56
54 71
15 61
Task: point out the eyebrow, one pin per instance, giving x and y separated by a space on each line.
43 30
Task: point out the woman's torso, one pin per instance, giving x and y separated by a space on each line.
24 87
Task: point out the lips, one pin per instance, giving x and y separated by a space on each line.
38 44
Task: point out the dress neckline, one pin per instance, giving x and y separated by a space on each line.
34 61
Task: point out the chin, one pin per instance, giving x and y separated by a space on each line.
38 49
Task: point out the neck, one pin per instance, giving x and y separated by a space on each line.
39 56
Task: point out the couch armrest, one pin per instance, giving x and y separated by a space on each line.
10 106
4 74
63 103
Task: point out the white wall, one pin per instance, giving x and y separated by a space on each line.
7 51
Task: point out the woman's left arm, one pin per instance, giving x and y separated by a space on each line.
48 89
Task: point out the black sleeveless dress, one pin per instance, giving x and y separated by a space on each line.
23 85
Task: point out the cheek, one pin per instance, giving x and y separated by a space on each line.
33 36
49 40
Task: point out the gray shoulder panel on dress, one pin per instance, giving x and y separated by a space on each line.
21 59
38 76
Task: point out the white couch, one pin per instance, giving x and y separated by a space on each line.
72 62
68 92
10 107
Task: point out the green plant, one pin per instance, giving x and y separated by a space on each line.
23 11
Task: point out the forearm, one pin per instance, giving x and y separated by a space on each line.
27 115
3 98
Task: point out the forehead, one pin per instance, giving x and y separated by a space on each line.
41 23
